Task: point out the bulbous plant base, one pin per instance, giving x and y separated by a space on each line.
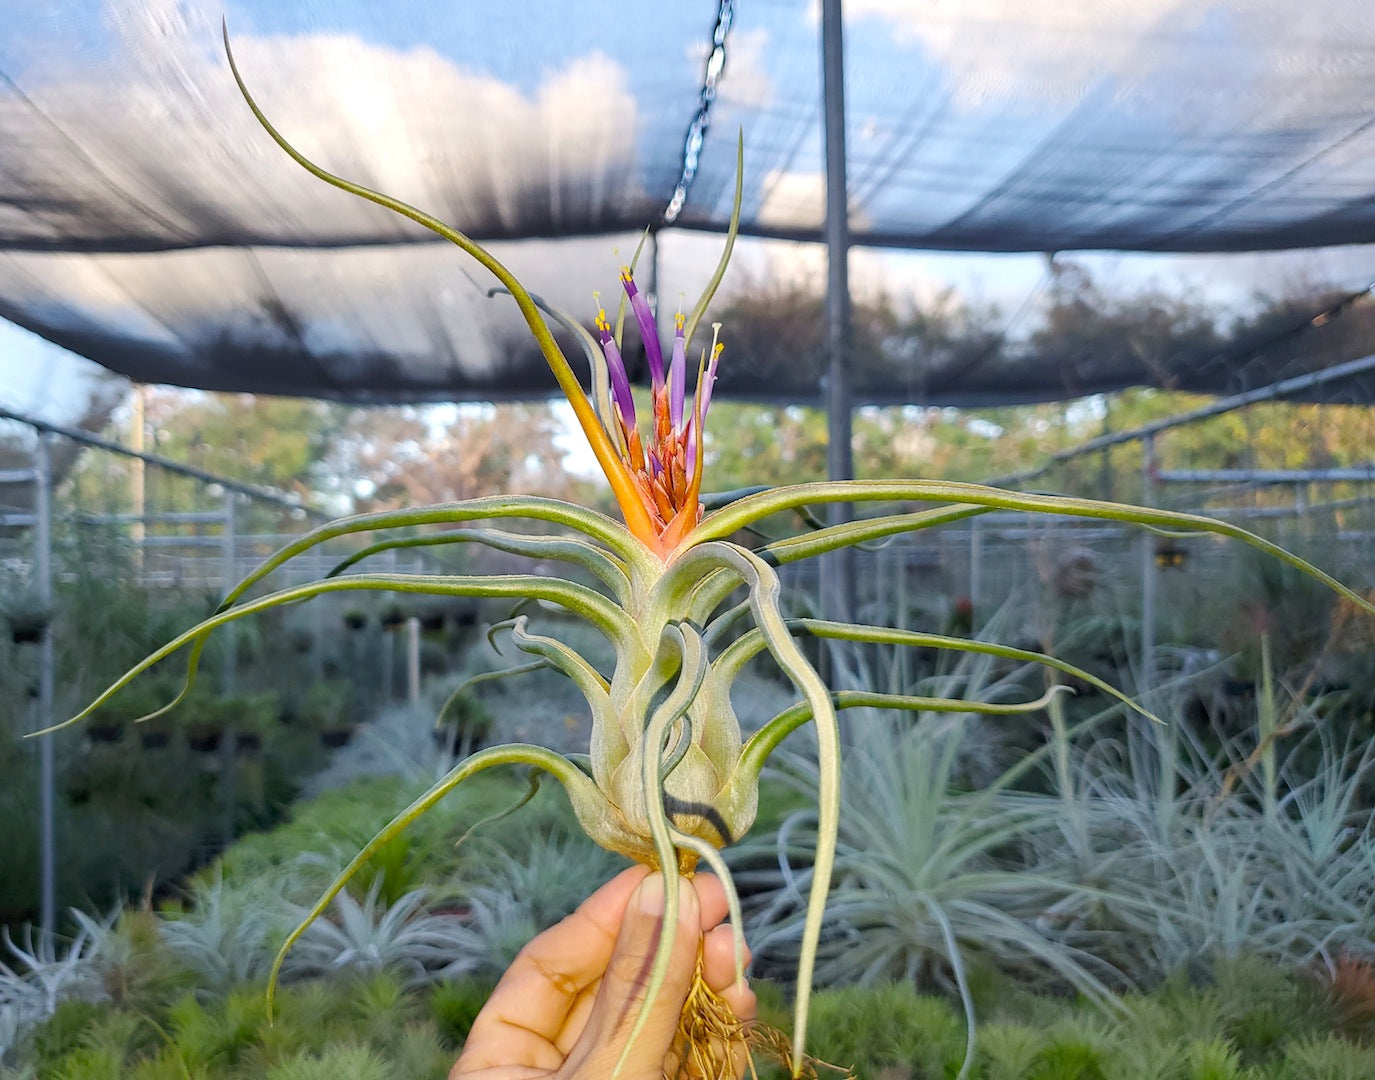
713 1044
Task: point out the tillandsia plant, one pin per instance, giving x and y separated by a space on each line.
669 780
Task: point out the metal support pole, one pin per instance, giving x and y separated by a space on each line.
413 660
47 763
1106 483
976 568
229 737
228 540
839 576
1147 678
388 664
138 428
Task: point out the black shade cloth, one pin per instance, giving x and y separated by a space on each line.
148 223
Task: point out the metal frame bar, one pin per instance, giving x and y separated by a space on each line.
1271 392
47 765
838 588
1255 477
87 439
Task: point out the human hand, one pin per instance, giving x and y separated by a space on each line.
565 1008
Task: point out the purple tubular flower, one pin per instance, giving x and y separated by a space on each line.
716 351
699 422
677 376
615 366
649 332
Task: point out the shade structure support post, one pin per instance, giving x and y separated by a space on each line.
838 569
976 570
413 661
47 752
229 542
138 480
1147 676
228 676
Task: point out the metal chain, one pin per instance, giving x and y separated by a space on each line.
701 122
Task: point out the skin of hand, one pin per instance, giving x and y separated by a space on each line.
566 1006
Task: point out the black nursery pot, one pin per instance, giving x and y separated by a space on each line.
104 733
248 742
204 740
336 737
154 740
27 633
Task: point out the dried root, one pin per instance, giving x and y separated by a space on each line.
713 1044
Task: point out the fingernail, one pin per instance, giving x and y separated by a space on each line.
652 895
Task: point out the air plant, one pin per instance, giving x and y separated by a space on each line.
668 780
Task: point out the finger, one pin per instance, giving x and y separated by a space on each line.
740 999
711 894
718 958
523 1019
626 985
718 972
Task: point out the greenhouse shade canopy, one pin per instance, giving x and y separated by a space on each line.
147 222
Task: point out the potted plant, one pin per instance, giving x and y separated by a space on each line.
203 720
28 617
107 726
252 718
463 722
324 707
204 736
138 701
155 734
355 619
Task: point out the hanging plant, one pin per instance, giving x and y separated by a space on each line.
105 727
28 618
204 738
337 735
670 779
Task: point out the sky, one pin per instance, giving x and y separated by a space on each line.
42 380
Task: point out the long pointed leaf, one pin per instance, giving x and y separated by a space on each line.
581 791
591 605
754 508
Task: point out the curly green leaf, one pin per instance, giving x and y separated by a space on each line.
581 791
765 741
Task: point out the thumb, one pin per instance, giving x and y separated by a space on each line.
626 984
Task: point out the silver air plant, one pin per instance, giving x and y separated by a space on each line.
669 780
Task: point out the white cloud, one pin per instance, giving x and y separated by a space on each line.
1051 51
1055 51
175 136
